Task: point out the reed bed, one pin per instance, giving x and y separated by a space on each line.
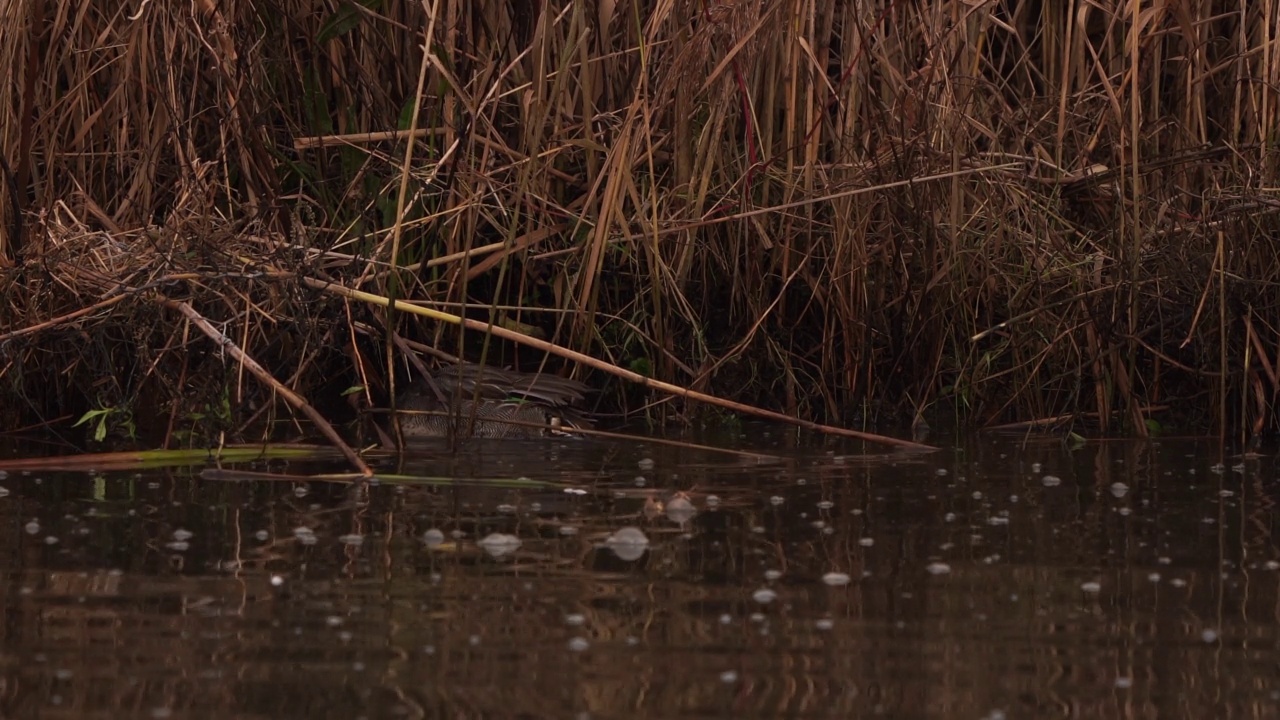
849 212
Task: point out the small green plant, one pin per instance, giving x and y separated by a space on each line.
641 366
216 413
105 420
213 418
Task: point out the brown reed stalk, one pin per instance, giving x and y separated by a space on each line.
997 211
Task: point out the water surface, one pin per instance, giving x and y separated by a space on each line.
997 578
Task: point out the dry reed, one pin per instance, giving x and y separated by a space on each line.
851 212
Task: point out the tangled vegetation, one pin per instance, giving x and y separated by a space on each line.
990 212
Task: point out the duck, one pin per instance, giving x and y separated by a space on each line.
488 402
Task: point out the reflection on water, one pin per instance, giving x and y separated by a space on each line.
997 579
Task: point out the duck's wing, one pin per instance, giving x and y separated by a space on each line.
497 384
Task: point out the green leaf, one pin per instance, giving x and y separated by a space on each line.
642 366
91 415
346 18
406 113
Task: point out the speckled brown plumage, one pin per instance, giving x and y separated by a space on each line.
491 403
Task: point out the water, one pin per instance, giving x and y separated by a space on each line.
994 579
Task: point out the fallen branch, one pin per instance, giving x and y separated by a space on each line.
261 373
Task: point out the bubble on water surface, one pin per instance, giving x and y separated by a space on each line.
1051 481
836 579
680 510
628 543
629 535
433 537
764 596
938 568
499 544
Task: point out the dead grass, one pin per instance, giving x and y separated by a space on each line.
990 211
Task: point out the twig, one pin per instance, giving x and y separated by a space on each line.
291 397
